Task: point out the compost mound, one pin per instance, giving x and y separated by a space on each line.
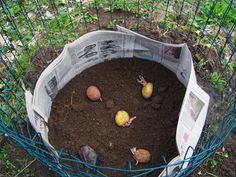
76 121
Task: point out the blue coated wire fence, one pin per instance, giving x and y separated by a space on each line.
28 28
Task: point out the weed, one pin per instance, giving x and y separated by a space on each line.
204 42
201 65
212 163
90 18
219 156
218 13
230 65
111 24
14 166
4 158
217 81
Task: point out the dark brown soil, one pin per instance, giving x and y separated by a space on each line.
228 166
92 123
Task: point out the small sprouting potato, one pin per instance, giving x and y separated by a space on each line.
121 118
141 155
93 93
147 90
87 154
147 87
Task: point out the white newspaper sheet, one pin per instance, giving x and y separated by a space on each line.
99 46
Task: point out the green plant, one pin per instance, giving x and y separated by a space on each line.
10 84
212 164
111 24
4 158
14 166
219 9
217 81
167 26
219 156
203 41
136 7
201 64
230 65
90 18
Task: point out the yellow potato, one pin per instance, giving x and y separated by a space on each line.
121 118
147 90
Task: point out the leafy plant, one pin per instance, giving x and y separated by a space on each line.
111 24
217 81
201 64
13 167
230 65
211 165
219 156
216 12
90 18
4 158
204 41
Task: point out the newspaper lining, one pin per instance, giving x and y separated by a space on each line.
99 46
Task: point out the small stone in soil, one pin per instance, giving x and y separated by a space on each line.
101 150
111 114
155 105
162 89
157 99
77 107
116 109
110 104
111 145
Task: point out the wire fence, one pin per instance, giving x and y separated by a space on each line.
29 27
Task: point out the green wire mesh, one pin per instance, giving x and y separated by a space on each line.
28 27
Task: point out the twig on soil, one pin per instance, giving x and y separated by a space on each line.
25 168
164 34
71 98
211 174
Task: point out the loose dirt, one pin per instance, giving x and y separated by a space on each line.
76 121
